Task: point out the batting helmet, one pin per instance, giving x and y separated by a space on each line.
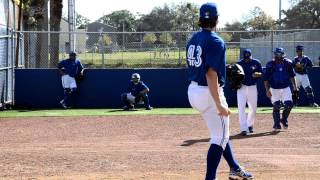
279 52
135 76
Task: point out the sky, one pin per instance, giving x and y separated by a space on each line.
230 10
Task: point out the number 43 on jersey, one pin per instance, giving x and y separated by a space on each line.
192 60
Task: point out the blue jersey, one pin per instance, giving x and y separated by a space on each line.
134 89
305 61
71 67
206 50
249 68
279 74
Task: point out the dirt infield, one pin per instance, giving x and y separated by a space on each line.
151 147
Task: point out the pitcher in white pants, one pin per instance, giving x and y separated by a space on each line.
248 94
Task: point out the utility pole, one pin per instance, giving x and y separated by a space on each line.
280 10
72 24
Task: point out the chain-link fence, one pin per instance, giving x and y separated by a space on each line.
156 49
8 51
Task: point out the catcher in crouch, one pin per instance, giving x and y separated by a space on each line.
247 93
136 93
302 65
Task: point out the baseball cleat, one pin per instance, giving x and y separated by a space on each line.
239 174
243 133
277 127
128 108
63 104
149 108
250 129
284 124
314 105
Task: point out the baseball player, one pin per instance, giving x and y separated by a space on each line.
206 59
277 79
69 69
302 65
137 92
248 91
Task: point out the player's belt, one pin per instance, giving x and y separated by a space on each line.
196 83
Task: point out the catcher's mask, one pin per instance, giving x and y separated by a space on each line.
135 78
279 53
299 50
246 53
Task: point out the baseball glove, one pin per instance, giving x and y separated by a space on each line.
299 68
235 75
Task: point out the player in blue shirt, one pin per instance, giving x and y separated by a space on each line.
302 65
136 93
206 59
69 69
278 77
248 92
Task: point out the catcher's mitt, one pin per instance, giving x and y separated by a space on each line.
299 68
235 75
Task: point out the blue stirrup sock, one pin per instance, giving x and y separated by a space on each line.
213 160
230 158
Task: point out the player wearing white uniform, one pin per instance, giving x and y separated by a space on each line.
278 76
302 65
248 91
206 59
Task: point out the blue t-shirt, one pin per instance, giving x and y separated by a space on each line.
279 74
204 50
305 61
134 89
72 67
249 68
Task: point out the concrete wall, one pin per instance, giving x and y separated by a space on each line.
101 88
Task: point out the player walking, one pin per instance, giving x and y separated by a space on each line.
302 65
279 73
206 59
248 91
69 69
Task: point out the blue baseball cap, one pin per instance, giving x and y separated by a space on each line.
246 51
299 48
208 11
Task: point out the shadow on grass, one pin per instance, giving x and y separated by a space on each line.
237 136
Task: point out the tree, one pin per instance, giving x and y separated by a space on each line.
81 21
105 40
226 37
259 20
123 20
236 26
305 14
55 19
166 38
186 17
159 19
150 38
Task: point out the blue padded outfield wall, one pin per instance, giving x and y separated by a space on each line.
101 88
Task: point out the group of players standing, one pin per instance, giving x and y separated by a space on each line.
282 80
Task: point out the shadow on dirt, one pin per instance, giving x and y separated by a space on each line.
237 136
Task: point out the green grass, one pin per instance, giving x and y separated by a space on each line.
119 112
149 58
